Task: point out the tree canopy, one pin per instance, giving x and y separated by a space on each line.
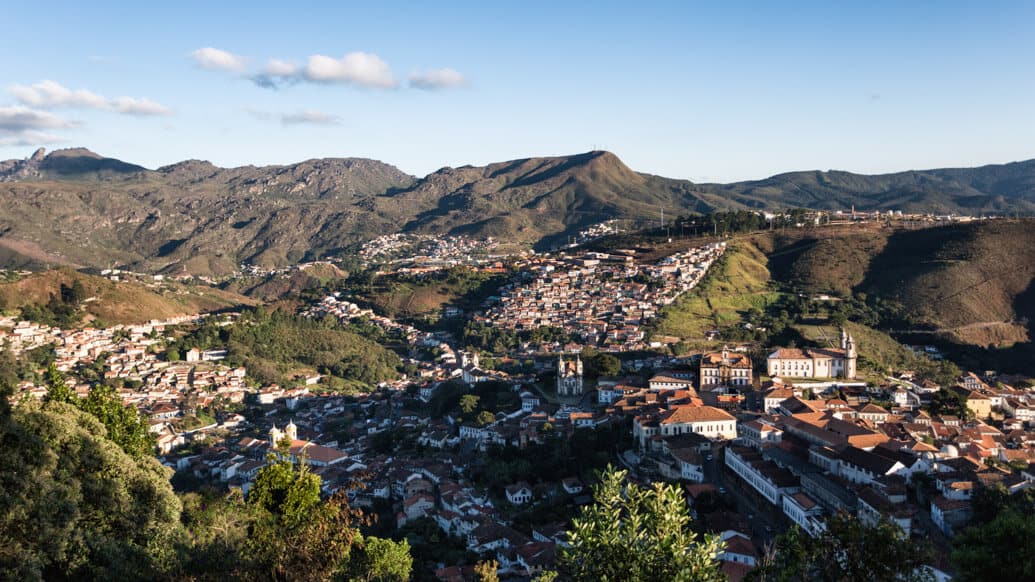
634 533
846 551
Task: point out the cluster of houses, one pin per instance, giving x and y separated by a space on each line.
160 389
602 298
417 253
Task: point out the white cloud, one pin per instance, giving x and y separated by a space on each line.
51 94
437 79
358 68
310 117
17 119
21 126
133 106
279 68
215 59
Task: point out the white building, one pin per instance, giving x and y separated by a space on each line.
815 362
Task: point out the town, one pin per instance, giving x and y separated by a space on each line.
452 444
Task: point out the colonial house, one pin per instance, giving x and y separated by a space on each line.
815 362
804 511
519 493
707 421
725 368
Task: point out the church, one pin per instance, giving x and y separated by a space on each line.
725 368
837 362
569 376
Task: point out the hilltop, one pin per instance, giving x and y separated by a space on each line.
77 208
110 303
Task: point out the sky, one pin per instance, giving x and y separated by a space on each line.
717 91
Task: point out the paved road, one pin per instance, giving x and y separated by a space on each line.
765 519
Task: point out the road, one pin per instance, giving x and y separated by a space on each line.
766 520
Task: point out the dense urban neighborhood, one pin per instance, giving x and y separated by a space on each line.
462 446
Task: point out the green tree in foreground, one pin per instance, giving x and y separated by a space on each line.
634 533
57 389
1002 528
126 427
74 505
847 551
380 560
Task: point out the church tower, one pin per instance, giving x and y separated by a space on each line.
848 345
291 431
569 376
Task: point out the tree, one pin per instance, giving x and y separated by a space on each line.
125 426
468 403
485 417
75 505
293 535
57 388
1002 526
486 571
381 560
846 551
634 533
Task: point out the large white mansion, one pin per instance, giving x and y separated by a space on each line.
815 362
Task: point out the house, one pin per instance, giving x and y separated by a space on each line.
815 362
572 485
860 466
766 477
528 401
668 382
691 465
805 511
738 548
418 506
707 421
725 368
950 514
759 433
519 493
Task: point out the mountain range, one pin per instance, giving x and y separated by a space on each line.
78 208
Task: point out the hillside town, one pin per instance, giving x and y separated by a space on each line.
602 298
788 440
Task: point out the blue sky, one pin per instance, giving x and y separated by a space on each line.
710 91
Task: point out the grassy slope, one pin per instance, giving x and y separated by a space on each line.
736 283
123 302
409 299
875 346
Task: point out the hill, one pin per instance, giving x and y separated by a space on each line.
110 303
77 208
967 288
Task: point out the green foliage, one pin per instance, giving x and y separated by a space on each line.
75 505
485 417
845 552
125 426
632 533
58 389
949 402
468 403
380 560
1002 527
598 364
274 346
486 571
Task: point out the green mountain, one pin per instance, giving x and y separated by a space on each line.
77 208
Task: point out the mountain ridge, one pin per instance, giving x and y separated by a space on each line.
197 217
